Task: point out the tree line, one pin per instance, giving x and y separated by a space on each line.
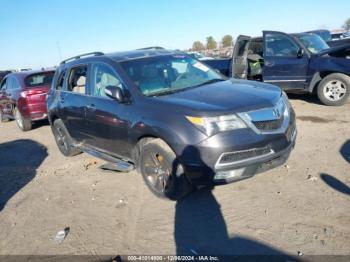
226 41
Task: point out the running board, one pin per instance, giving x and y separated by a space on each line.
115 164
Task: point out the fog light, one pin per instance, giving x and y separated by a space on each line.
229 174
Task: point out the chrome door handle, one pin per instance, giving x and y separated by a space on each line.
91 107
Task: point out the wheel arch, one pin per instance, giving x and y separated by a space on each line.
318 76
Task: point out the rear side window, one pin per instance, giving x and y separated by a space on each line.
77 79
42 79
11 83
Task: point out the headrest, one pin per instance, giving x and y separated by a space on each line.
149 71
81 81
109 80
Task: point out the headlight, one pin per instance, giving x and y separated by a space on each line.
213 125
286 101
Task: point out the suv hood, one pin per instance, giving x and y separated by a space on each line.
231 96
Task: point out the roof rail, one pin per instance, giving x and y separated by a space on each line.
152 48
82 55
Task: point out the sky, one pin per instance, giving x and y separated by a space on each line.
40 33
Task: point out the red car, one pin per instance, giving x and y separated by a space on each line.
23 97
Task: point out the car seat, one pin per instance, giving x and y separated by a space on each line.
150 79
79 85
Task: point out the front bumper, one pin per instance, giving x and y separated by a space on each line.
202 165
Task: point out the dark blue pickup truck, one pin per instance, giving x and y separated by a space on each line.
301 63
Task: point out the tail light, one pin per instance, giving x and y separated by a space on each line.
33 92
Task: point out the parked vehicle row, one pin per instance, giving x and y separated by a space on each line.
301 63
178 121
22 97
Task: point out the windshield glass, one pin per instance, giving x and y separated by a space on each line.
314 43
168 74
324 34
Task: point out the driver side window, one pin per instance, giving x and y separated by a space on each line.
103 76
280 45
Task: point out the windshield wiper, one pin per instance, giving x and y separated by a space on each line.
171 91
211 81
166 92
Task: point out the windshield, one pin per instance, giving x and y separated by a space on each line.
314 43
167 74
324 34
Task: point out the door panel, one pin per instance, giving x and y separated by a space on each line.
283 63
73 112
107 119
73 102
108 126
239 60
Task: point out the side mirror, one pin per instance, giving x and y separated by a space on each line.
300 53
115 92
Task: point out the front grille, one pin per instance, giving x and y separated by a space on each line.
243 155
269 125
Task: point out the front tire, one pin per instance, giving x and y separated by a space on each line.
63 139
24 124
334 89
161 171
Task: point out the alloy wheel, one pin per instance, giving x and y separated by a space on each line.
334 90
158 172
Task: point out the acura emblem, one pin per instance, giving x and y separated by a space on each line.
276 112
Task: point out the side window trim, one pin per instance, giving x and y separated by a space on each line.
60 78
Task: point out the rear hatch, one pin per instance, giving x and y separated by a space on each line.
37 86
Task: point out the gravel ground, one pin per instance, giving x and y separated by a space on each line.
303 206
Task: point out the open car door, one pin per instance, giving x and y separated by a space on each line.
239 59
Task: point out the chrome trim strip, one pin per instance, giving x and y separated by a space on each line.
292 80
218 165
246 117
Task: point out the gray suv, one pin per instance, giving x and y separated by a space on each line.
176 120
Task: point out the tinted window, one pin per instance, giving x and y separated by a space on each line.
41 79
103 76
280 45
77 80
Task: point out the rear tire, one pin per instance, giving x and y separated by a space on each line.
161 171
63 140
334 89
3 118
24 124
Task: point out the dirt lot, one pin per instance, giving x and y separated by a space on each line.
303 206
